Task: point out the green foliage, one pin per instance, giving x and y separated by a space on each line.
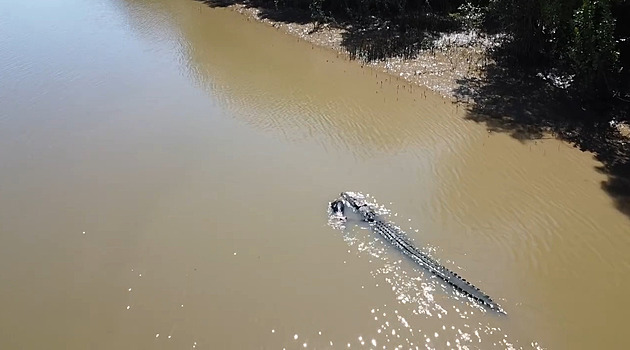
577 37
471 16
593 50
317 10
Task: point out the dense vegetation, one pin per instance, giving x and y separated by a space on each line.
582 38
580 41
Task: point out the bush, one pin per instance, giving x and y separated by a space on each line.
593 51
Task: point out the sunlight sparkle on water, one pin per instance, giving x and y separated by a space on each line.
414 292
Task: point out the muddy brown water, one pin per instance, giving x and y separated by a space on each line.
165 170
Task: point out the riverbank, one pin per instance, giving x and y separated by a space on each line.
454 64
440 66
460 67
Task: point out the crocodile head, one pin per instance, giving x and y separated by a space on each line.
337 207
352 200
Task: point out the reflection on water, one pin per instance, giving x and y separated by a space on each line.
416 302
165 170
294 92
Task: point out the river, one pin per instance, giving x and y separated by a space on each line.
166 169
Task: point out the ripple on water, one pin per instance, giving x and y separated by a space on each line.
423 312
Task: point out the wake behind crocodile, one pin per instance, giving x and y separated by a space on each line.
373 214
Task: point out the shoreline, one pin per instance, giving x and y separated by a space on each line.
456 56
455 68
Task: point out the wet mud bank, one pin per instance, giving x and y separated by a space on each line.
438 62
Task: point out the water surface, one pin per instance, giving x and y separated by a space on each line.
165 174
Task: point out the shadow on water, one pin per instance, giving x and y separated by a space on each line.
528 108
267 10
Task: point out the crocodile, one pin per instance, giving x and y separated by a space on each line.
397 238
